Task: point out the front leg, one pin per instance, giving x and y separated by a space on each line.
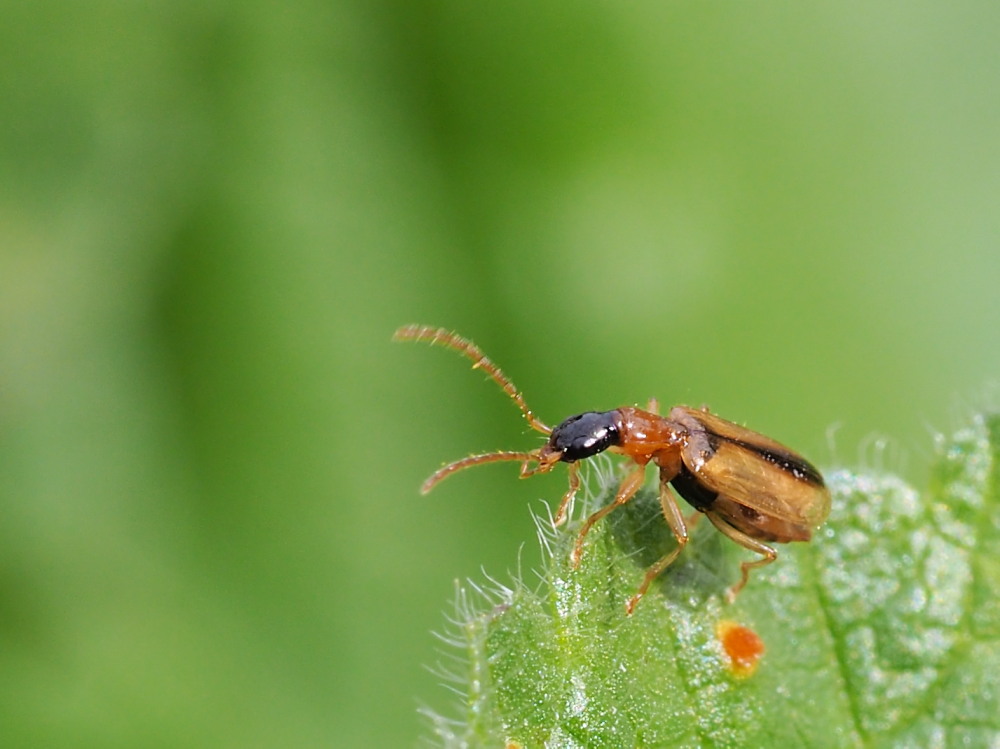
567 500
629 486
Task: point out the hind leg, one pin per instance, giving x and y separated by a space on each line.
758 547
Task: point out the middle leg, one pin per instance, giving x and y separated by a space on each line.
672 514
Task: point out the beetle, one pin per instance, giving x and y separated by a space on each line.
754 490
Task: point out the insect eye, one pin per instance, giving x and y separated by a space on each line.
585 435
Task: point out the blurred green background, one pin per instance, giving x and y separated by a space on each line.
213 215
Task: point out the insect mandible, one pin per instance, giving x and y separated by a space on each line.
754 490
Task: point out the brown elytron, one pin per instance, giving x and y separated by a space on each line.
753 489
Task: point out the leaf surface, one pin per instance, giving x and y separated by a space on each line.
882 631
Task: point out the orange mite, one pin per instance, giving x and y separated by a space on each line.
743 646
753 489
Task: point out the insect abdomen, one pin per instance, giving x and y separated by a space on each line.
696 494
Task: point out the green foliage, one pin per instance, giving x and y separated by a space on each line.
884 631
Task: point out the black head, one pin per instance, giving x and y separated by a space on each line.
585 435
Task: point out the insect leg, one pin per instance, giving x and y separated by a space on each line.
574 484
672 514
629 486
768 553
653 406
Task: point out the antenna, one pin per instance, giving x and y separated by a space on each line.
474 460
443 337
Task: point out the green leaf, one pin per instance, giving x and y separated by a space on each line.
883 631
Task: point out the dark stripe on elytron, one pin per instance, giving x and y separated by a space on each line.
693 491
798 467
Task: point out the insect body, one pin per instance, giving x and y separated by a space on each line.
753 489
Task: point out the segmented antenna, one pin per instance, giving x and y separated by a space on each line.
474 460
443 337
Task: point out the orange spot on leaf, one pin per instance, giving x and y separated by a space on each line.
741 645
